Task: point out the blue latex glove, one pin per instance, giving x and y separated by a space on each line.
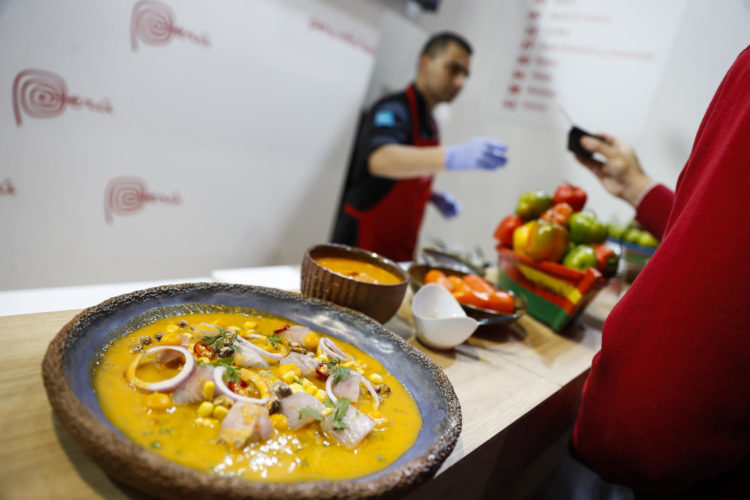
478 152
446 203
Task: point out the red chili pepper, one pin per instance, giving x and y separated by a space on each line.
283 328
201 349
236 386
322 370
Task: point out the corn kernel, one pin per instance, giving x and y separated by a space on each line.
205 409
234 328
290 367
289 377
172 328
349 363
219 412
171 339
326 411
311 340
306 383
321 358
250 324
296 388
208 390
206 422
279 422
375 378
311 390
321 395
204 360
158 401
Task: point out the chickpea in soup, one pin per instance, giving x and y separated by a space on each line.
256 397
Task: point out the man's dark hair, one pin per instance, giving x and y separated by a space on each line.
437 43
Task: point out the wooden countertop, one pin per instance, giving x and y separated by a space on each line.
519 389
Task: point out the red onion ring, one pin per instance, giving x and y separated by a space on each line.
332 350
249 345
222 387
329 390
370 388
169 384
362 380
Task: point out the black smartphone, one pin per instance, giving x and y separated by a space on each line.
574 142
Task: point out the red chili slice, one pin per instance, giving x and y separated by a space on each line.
283 328
322 370
201 349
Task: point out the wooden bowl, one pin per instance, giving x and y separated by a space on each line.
379 301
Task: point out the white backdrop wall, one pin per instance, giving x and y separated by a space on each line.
709 36
218 142
223 142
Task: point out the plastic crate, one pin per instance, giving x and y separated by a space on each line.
634 258
555 294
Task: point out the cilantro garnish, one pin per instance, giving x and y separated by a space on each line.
232 374
273 339
225 338
342 405
340 373
310 412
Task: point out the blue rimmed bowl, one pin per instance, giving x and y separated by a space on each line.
70 359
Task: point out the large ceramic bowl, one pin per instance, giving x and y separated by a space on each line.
69 362
377 300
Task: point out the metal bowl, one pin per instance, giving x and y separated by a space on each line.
417 273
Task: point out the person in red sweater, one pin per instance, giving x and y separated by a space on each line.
666 407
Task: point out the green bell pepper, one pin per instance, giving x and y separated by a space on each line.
585 228
533 204
581 257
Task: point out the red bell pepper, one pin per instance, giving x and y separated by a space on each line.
606 260
573 195
504 232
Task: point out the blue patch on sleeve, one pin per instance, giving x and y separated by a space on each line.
385 118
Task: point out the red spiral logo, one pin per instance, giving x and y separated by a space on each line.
39 93
151 22
124 196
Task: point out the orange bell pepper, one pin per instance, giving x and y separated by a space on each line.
438 277
559 214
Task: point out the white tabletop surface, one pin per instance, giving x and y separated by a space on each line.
38 300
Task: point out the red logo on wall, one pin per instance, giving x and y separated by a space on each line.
7 188
43 94
128 195
153 23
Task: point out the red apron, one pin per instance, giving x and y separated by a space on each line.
391 227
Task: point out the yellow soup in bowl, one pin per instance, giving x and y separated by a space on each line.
257 397
359 270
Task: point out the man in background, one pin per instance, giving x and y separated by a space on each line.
398 151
